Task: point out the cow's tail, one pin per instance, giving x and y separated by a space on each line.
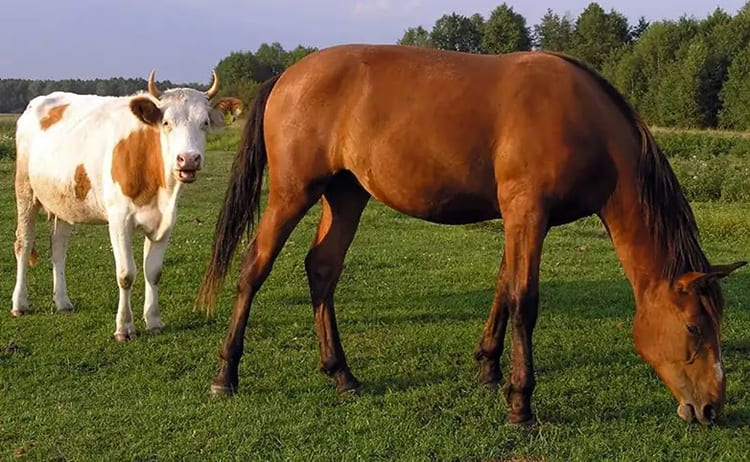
242 199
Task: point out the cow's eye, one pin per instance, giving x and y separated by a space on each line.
165 123
205 123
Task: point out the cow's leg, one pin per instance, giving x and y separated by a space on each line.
279 219
120 234
26 208
61 231
343 203
153 259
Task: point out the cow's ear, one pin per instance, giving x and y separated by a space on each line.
217 119
146 110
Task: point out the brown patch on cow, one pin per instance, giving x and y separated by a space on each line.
137 165
33 258
53 116
82 183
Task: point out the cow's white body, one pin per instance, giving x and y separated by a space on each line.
91 159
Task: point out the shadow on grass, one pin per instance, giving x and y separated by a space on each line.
736 418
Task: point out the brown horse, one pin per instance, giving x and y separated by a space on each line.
536 138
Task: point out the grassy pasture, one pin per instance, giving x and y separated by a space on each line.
411 306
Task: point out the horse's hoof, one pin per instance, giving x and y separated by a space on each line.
123 338
346 383
350 390
221 390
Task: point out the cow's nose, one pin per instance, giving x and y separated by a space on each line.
189 161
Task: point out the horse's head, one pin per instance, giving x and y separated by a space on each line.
678 334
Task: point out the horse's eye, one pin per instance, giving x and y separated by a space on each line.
693 330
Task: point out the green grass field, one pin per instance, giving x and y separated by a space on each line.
411 305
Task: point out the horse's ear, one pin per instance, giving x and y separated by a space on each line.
727 269
690 282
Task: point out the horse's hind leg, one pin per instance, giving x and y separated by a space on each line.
282 214
490 346
27 208
343 203
517 297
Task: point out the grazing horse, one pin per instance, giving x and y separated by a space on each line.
536 138
116 160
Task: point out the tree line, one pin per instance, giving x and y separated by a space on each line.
15 94
688 72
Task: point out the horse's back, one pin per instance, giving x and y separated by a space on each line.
442 135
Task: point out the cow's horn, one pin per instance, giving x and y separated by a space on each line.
211 92
152 86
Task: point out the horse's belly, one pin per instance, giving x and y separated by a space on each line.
457 209
441 202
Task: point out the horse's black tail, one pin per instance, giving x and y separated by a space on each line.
242 199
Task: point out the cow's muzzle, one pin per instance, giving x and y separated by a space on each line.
187 166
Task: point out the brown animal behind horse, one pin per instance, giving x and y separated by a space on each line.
453 138
230 106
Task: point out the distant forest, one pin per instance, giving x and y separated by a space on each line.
15 94
688 72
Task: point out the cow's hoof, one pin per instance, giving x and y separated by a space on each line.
154 330
122 338
66 310
64 305
221 390
18 313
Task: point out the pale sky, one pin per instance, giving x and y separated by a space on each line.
184 39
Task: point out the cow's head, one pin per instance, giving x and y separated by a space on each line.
183 117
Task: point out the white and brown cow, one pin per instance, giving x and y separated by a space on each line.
230 106
116 160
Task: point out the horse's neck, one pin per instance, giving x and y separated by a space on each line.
642 258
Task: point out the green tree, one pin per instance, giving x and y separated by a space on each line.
416 37
292 56
725 36
505 31
680 89
237 67
478 21
643 64
456 32
735 95
597 34
554 32
638 29
270 58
